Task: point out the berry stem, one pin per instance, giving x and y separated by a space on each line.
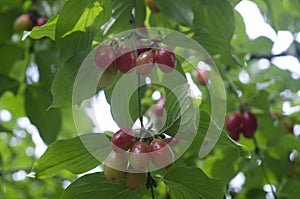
257 152
150 181
140 100
132 22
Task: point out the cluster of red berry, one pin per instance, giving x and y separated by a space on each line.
27 22
245 123
130 158
124 58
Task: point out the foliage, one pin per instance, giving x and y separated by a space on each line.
38 69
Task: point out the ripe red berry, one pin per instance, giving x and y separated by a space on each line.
139 156
162 155
123 139
159 107
145 63
22 23
165 59
233 125
40 21
126 59
105 56
249 124
140 47
203 77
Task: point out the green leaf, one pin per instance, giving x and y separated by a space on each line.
62 85
261 45
95 186
48 122
7 83
48 61
261 101
279 148
124 97
224 139
225 157
160 20
10 53
3 129
6 23
77 155
291 189
14 104
75 33
192 183
121 14
217 18
178 11
48 30
182 113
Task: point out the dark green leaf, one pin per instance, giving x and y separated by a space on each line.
291 189
7 83
48 122
80 27
77 155
261 45
10 53
62 85
225 157
95 186
261 101
6 23
3 129
217 18
160 20
182 113
48 62
177 11
192 183
121 14
124 91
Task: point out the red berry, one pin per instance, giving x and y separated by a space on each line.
159 107
203 77
249 124
145 63
22 23
161 154
105 56
123 139
139 157
126 59
40 21
165 59
140 47
233 125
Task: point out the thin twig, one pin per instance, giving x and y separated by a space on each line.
257 151
268 56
